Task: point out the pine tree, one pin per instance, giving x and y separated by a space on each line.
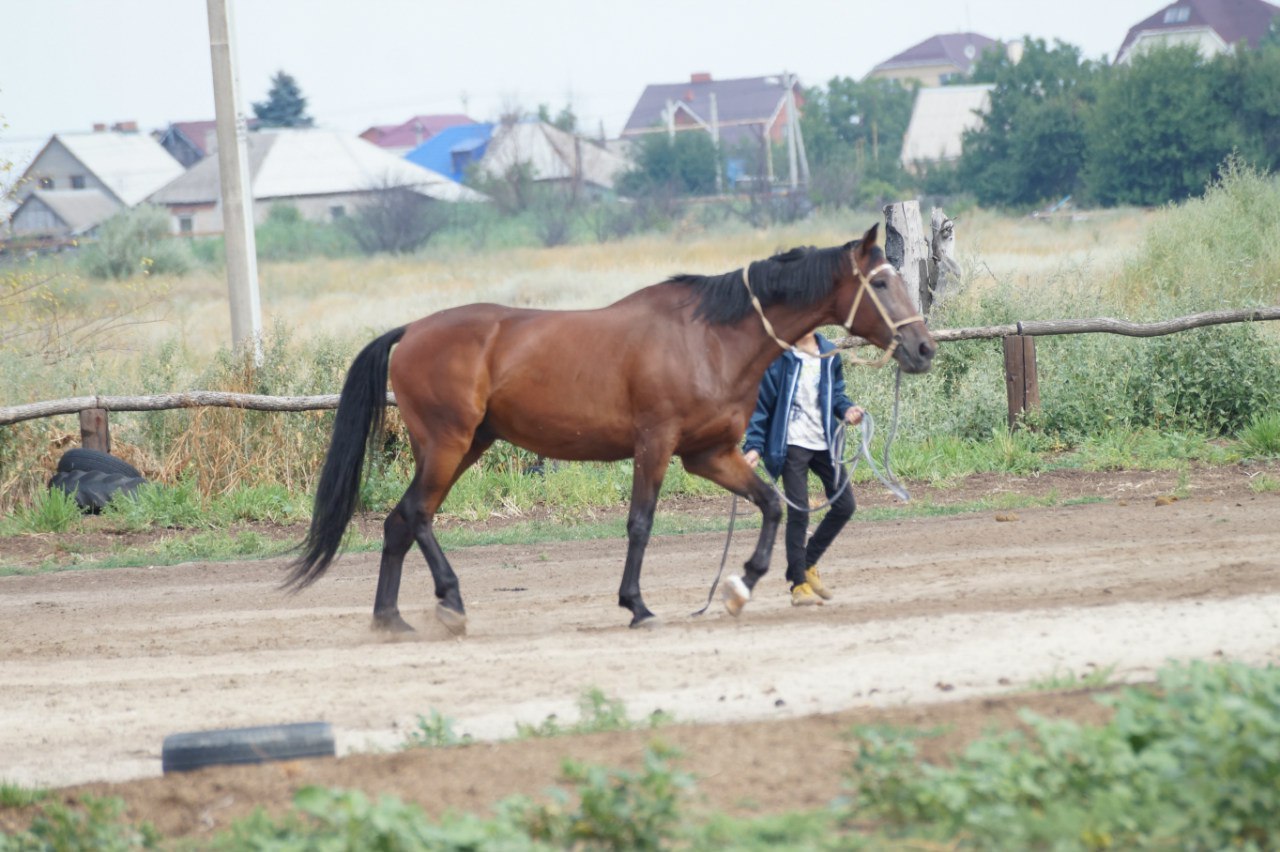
285 106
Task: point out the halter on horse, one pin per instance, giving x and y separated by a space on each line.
670 370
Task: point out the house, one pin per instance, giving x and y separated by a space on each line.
324 174
61 213
453 150
748 109
554 156
1211 26
937 60
939 118
400 139
119 168
189 142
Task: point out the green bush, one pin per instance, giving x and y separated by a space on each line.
136 242
1191 764
286 235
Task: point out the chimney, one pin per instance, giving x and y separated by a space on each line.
99 127
700 77
125 126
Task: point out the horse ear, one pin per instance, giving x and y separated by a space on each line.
870 237
868 241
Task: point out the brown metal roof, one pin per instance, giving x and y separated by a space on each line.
1232 20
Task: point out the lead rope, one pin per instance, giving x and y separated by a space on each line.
887 477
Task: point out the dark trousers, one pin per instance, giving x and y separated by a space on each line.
795 484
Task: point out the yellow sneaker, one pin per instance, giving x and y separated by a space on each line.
814 580
802 595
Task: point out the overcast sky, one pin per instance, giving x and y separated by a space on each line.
66 64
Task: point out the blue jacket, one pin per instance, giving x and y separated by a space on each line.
767 430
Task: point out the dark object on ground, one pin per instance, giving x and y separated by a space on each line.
94 478
195 749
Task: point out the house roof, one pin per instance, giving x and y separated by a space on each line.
746 100
414 131
79 209
131 165
201 134
958 49
286 163
554 154
939 118
1232 20
437 153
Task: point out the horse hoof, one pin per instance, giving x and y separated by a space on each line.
648 622
736 594
391 623
455 622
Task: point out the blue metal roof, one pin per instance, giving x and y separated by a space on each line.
451 150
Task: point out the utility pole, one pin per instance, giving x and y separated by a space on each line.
715 140
237 194
792 166
670 115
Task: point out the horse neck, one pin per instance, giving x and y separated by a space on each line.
790 323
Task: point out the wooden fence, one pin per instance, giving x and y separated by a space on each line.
1020 372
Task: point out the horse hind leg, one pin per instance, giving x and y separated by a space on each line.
397 538
449 609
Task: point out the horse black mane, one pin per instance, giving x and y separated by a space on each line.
799 276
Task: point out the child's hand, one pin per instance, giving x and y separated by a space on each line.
854 415
751 457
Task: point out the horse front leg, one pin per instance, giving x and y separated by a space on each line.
649 471
727 468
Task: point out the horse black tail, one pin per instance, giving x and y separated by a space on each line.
361 409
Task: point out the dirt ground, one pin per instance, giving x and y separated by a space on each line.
940 620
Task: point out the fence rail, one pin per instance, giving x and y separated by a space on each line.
210 399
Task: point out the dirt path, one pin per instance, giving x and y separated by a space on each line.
97 667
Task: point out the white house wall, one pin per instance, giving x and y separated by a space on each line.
58 165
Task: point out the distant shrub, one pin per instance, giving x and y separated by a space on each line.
136 242
286 235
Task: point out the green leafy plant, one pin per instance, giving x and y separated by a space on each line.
1094 678
1191 763
1261 435
52 510
617 809
596 712
435 732
91 823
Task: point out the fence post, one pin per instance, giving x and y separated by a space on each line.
95 430
1021 382
906 248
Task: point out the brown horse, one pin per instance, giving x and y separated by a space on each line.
670 370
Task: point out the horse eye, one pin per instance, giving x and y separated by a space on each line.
879 283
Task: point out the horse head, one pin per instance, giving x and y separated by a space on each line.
874 305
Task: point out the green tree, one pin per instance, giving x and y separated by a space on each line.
1031 143
1159 129
685 165
566 119
1247 85
285 106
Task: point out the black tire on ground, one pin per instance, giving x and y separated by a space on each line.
196 749
92 460
93 490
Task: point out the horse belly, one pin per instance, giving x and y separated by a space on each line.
563 420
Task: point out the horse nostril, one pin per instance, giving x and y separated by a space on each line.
927 349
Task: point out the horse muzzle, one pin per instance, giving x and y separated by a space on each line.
916 348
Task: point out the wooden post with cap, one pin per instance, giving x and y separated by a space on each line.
1022 384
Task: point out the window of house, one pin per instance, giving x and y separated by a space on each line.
337 211
77 181
185 225
46 183
460 160
1177 15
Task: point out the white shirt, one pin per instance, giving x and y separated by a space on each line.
804 429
